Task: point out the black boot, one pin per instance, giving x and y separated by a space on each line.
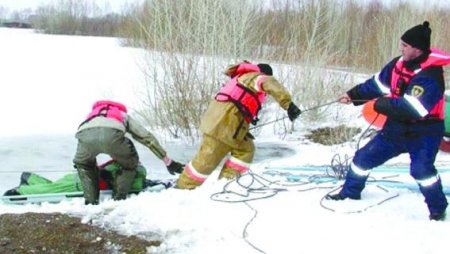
338 196
437 216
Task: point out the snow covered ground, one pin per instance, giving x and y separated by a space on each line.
48 84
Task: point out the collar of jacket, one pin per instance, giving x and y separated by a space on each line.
415 63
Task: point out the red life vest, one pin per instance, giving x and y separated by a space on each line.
401 77
246 100
109 109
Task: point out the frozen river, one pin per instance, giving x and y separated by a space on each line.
51 157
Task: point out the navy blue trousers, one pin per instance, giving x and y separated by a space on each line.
422 151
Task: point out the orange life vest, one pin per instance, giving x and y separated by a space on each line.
246 100
109 109
402 76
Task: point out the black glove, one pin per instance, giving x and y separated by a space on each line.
175 167
357 98
293 111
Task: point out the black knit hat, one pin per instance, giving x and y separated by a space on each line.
265 68
418 36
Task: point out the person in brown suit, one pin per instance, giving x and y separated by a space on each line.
225 125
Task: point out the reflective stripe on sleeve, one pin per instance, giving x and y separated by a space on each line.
384 89
415 103
258 83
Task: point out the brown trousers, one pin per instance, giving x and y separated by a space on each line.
209 156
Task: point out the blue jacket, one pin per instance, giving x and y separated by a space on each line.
407 113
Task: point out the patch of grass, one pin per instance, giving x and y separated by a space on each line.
333 136
60 233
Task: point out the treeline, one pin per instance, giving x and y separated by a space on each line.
108 25
341 33
307 34
77 17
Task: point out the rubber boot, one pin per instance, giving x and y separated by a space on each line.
185 182
122 183
435 199
353 186
89 181
228 173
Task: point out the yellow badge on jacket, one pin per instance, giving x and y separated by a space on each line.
417 91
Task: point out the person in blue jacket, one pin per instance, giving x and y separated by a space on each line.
409 91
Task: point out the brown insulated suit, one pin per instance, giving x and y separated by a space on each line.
223 135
